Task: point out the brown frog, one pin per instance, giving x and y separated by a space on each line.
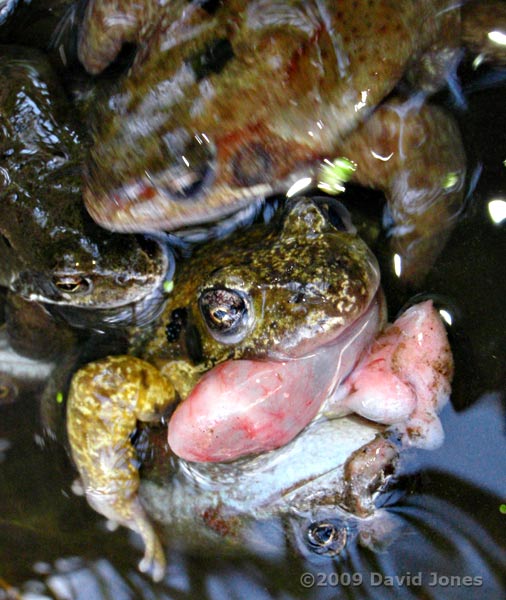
263 333
230 101
50 249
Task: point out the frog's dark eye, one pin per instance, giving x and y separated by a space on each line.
72 284
188 171
325 537
224 310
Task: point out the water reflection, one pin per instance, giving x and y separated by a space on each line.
452 546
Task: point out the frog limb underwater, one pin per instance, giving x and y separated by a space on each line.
108 398
257 107
255 350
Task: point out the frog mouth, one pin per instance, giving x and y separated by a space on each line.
244 407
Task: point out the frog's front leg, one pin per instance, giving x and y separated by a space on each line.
106 399
414 153
365 473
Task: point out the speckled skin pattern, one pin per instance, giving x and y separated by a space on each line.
304 280
118 391
276 87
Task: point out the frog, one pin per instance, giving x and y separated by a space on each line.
299 487
258 338
51 250
228 102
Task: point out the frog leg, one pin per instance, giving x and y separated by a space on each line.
106 399
403 381
107 25
366 471
414 153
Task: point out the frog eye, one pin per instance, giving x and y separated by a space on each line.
326 538
8 393
72 284
225 311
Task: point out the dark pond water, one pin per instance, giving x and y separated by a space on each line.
450 503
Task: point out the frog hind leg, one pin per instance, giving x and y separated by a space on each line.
366 472
106 399
413 152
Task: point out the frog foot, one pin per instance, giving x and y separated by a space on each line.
106 399
413 151
130 513
366 472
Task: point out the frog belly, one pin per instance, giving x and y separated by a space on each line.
246 407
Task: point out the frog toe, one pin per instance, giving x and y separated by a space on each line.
153 563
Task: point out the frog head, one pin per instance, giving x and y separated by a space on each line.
277 318
51 249
198 130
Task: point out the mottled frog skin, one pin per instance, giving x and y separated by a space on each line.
51 251
265 293
263 331
230 101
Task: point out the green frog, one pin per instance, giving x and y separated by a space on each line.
230 101
51 251
260 333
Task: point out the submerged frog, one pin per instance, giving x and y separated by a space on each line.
228 102
50 249
260 336
238 504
